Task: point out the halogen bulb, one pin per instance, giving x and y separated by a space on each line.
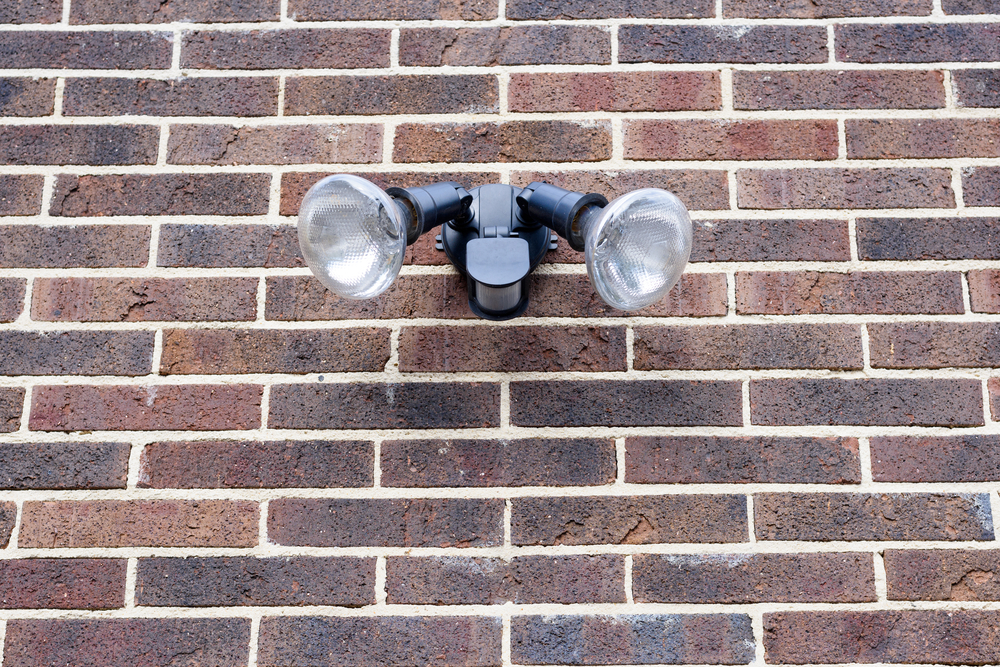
351 236
637 246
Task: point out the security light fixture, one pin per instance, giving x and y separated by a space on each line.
354 235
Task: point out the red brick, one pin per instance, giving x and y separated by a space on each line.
322 641
256 465
78 144
515 45
62 583
392 10
289 144
942 574
208 96
917 43
11 402
138 523
861 516
767 240
217 246
730 140
741 460
26 97
11 299
697 188
981 186
865 402
239 582
132 642
935 344
8 513
31 11
479 463
615 91
398 522
63 465
20 195
144 299
58 246
365 405
993 385
969 6
188 11
572 295
801 9
721 44
845 89
928 238
943 637
965 458
76 352
976 87
984 291
845 188
808 292
104 49
923 138
575 520
376 95
746 578
512 141
589 9
202 407
285 49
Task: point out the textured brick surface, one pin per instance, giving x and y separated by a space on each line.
219 246
31 11
555 295
589 9
76 353
91 246
762 9
196 11
770 240
517 45
942 574
20 195
981 186
62 583
285 49
845 188
984 291
11 403
8 513
369 95
285 144
964 458
731 140
11 298
393 10
721 44
917 43
617 91
924 138
21 96
64 465
214 96
78 144
976 87
106 49
513 141
928 238
844 89
697 188
934 344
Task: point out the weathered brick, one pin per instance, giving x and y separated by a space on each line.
599 9
76 352
870 401
129 50
845 89
63 465
376 95
942 574
515 45
138 523
26 97
239 582
11 403
730 139
201 407
322 641
965 458
393 10
615 91
862 516
31 11
59 246
202 96
432 522
630 640
917 43
521 580
288 144
575 520
189 11
217 246
981 186
845 188
984 291
944 637
572 295
697 188
11 299
511 141
132 642
976 87
934 344
62 583
928 238
744 578
385 406
8 513
20 195
823 240
527 462
144 299
808 292
741 460
969 6
801 9
285 49
256 465
78 144
923 138
721 44
161 194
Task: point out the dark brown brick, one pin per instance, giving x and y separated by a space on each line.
942 637
63 465
721 44
207 96
522 580
600 9
62 583
256 465
942 574
138 523
31 11
227 351
846 89
512 141
285 49
745 578
49 49
976 87
965 458
845 188
240 582
917 43
730 140
20 195
189 11
808 292
529 462
289 144
981 186
615 91
516 45
575 520
144 299
935 344
432 522
869 401
741 460
201 407
697 188
569 295
984 291
802 9
861 516
8 513
928 238
76 352
161 194
923 138
393 10
385 406
11 403
27 97
993 385
322 641
11 300
767 240
368 95
218 246
59 246
78 144
970 6
132 642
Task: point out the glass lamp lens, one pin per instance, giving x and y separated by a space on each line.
351 236
637 247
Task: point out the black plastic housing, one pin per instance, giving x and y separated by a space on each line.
558 209
432 205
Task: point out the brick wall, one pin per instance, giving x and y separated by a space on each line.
208 459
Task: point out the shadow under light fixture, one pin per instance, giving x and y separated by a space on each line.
353 236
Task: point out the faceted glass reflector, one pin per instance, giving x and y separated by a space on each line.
637 247
351 236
